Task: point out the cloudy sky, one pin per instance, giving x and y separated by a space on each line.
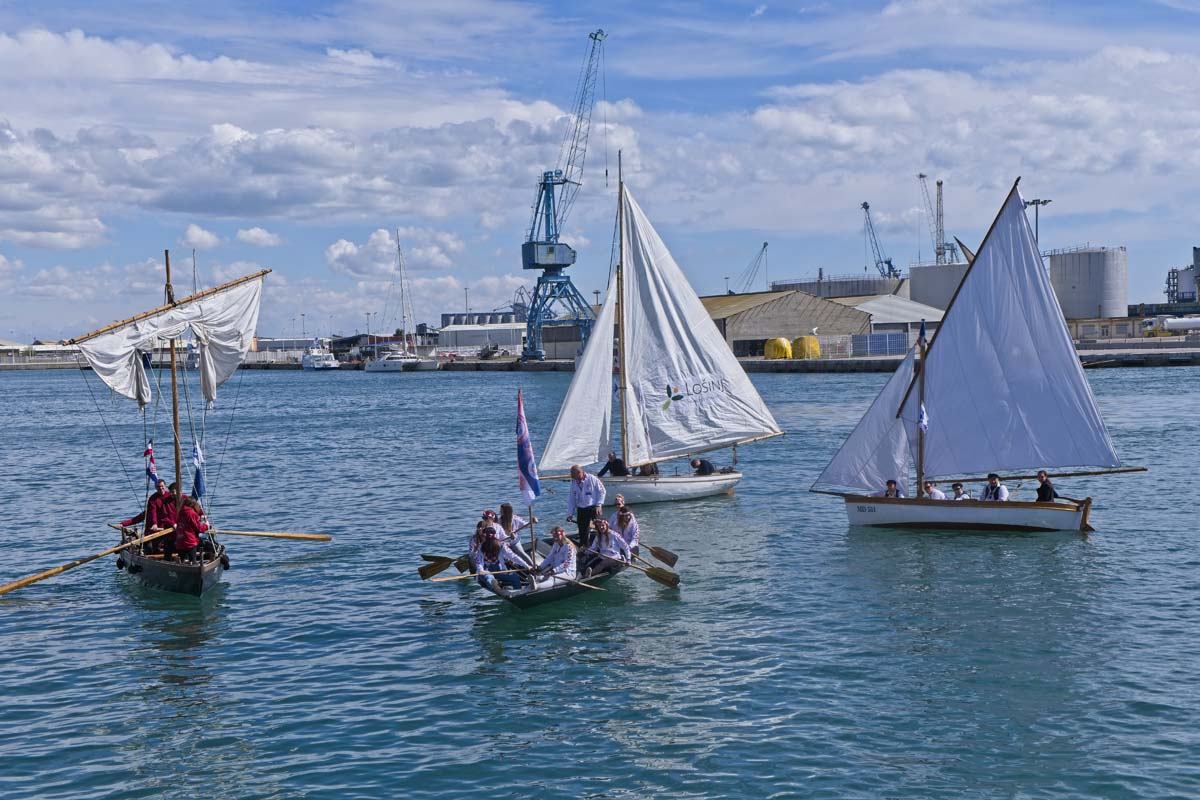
303 135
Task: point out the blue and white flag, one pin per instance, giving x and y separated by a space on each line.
198 487
921 335
923 420
527 475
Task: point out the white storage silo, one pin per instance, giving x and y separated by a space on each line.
1091 282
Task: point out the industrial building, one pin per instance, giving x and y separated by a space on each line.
747 321
894 314
1091 282
934 284
844 285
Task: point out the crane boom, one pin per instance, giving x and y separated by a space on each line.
882 262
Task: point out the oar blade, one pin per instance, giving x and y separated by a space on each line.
665 577
664 555
427 571
462 563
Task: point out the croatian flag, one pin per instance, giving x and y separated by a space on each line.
198 487
526 468
151 467
922 417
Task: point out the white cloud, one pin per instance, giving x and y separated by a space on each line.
259 237
423 248
758 11
197 237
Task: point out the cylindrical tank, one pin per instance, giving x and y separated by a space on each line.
1181 324
934 285
777 348
1091 282
806 347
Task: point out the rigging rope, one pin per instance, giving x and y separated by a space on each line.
111 438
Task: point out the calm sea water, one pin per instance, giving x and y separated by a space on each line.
799 658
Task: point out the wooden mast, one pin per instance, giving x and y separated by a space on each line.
624 386
174 397
920 411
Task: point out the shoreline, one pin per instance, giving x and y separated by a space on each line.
1100 358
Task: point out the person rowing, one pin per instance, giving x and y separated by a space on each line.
511 526
561 560
158 514
607 549
495 556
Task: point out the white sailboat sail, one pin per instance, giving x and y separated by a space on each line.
877 450
685 392
582 432
223 323
1004 389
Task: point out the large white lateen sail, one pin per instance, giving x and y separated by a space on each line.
877 450
582 432
223 323
684 391
1004 389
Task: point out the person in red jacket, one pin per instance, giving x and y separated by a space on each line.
158 514
188 528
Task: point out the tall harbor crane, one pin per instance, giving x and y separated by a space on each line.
944 252
882 262
749 276
556 194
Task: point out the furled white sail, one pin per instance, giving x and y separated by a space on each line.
223 324
582 432
1004 388
685 391
877 450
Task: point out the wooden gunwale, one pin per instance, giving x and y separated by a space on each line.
914 501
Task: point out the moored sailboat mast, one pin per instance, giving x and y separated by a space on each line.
621 338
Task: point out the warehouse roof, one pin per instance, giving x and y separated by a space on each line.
885 308
721 306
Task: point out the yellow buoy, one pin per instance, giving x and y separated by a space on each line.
777 348
807 347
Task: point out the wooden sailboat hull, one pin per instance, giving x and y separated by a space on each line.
667 488
172 576
910 512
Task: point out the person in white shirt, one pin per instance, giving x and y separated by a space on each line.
511 525
496 556
626 527
561 560
612 518
995 490
932 492
585 502
607 549
959 493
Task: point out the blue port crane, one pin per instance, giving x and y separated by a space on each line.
882 262
556 194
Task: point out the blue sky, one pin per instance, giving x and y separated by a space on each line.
301 136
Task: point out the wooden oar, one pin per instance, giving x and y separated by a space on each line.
578 583
477 574
308 537
50 573
663 576
654 566
427 571
661 553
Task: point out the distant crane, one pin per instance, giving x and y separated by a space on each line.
944 252
750 274
882 262
556 194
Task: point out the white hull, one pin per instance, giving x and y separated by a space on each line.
666 488
320 366
402 364
967 514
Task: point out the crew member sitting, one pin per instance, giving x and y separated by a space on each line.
159 508
189 526
511 525
648 470
627 527
614 466
703 466
995 490
1045 491
959 493
932 492
893 490
496 556
560 561
606 550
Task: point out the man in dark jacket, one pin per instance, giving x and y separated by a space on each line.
614 466
1046 493
703 466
